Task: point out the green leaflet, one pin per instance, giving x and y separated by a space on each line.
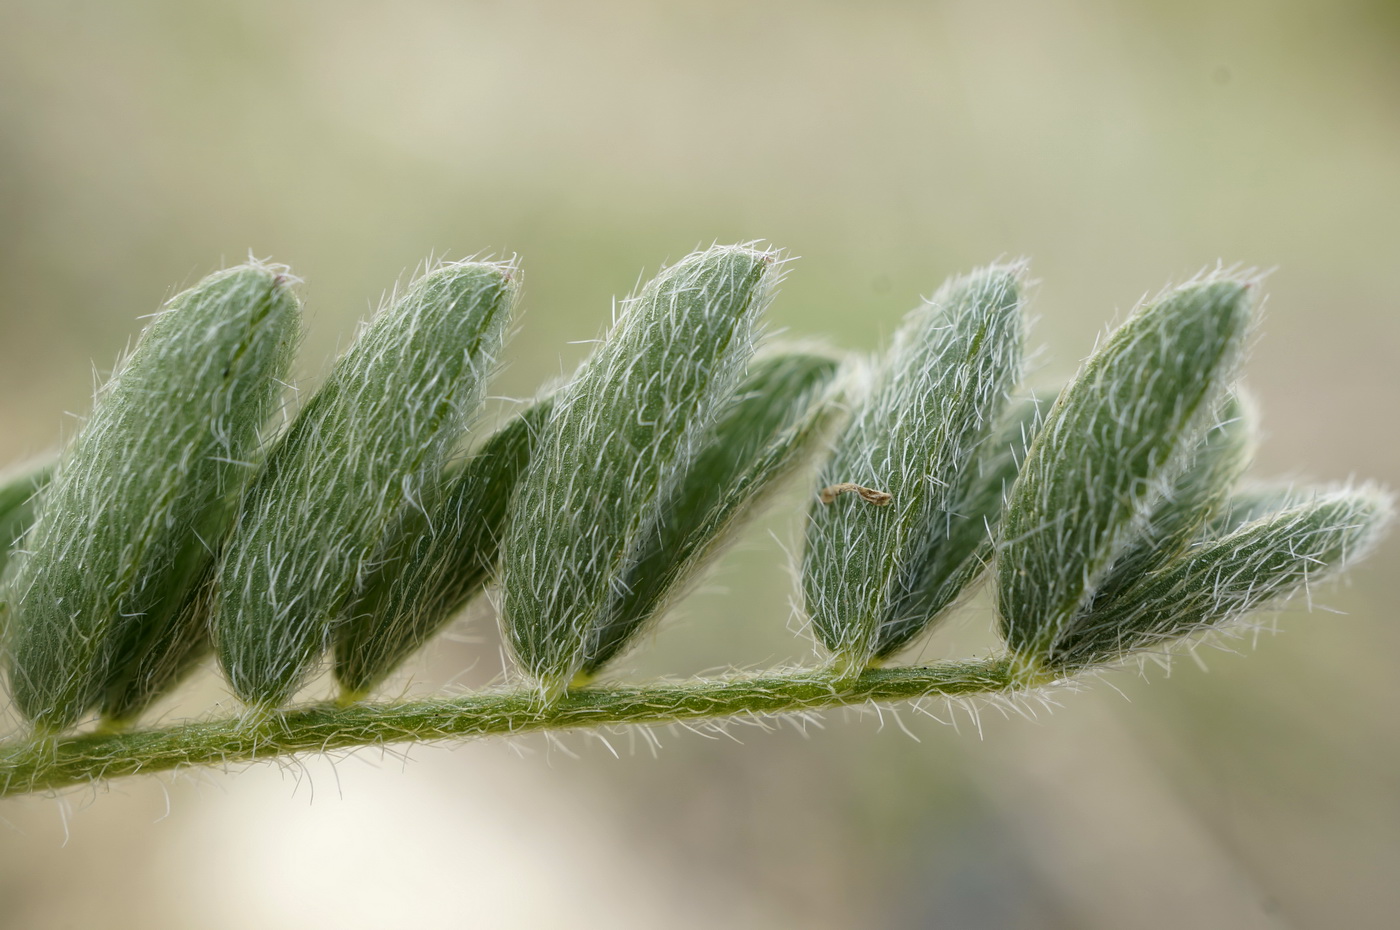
1199 495
141 496
367 449
957 551
18 499
1177 518
937 396
1251 502
1117 437
156 663
1221 578
620 435
438 561
767 429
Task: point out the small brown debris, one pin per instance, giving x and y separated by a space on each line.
869 495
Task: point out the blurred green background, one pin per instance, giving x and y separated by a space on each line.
888 144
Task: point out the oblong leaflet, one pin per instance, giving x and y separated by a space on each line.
619 436
773 421
365 451
937 395
438 560
1112 443
1222 578
141 496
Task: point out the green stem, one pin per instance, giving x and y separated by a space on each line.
47 764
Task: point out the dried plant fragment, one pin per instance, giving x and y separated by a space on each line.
828 494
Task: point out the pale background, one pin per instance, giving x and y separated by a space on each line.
1118 146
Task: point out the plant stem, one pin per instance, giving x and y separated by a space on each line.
51 763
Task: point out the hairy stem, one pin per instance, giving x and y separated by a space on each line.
46 764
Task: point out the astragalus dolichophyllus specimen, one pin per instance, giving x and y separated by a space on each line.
1112 521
